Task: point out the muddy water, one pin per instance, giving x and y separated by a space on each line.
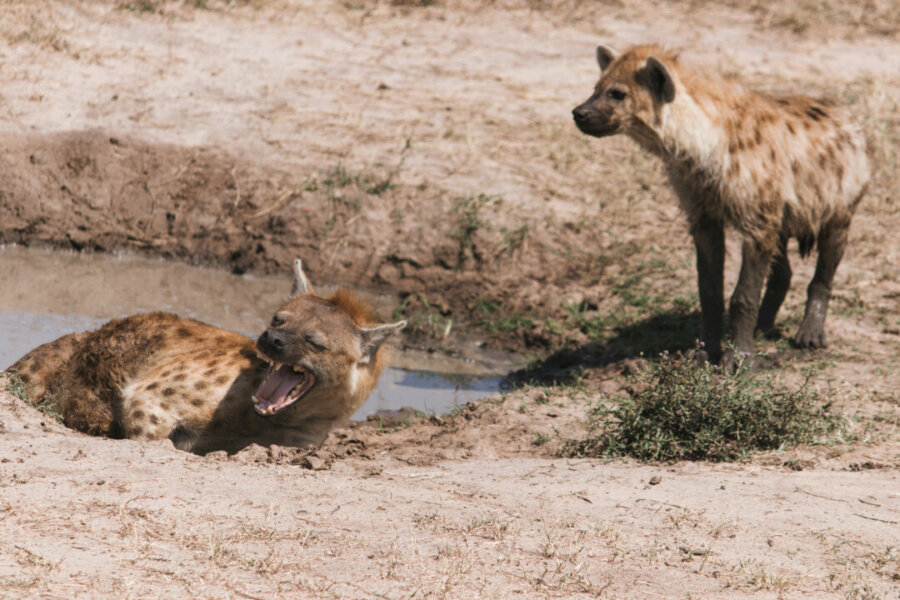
45 294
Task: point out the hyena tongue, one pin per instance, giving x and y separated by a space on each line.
272 394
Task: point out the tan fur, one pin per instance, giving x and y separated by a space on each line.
157 375
771 168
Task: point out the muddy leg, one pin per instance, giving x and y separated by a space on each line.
709 239
776 289
832 241
744 305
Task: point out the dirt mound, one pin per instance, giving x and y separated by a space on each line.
462 256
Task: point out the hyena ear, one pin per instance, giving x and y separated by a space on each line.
605 55
301 284
655 76
373 337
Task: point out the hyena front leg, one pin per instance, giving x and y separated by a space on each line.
832 241
776 288
744 306
709 240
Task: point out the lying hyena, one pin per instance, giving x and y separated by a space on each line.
771 168
157 376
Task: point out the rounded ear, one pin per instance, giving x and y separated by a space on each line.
371 338
605 55
301 284
658 79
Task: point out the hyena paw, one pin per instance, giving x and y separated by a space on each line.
737 360
810 336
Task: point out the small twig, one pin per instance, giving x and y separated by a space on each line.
869 502
241 594
802 491
705 556
354 586
237 187
274 205
877 519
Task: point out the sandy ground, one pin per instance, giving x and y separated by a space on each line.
429 149
87 517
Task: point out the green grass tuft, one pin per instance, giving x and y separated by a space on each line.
679 411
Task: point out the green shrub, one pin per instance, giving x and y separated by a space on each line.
679 411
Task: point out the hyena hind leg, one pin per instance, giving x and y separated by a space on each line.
832 242
81 408
776 289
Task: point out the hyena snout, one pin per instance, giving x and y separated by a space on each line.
581 113
272 343
592 121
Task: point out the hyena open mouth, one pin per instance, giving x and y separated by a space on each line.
283 385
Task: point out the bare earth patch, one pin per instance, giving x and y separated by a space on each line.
428 147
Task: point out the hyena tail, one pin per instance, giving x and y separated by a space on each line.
38 368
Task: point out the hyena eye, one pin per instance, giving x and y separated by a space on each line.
617 95
315 343
276 321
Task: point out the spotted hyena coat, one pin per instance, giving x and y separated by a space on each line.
157 376
771 168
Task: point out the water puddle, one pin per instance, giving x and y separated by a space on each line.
45 294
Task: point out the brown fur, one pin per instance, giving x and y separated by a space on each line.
770 168
156 376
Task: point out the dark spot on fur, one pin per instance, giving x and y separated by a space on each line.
165 374
782 102
209 372
137 432
154 419
164 405
815 112
221 379
169 392
183 332
138 414
758 137
33 368
179 377
795 168
200 386
197 401
790 127
152 386
220 339
772 153
212 363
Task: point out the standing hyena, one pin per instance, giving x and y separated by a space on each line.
771 168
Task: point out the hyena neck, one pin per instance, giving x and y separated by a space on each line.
687 133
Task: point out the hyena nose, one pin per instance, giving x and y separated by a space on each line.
580 113
273 338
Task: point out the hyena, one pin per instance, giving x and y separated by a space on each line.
772 168
157 375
